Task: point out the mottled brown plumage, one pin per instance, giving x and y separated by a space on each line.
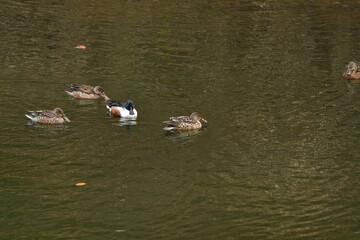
352 71
56 116
86 91
185 122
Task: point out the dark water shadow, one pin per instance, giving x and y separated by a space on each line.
77 101
55 129
127 123
351 85
175 135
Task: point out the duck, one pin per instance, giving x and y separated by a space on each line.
86 92
352 71
56 116
185 122
122 109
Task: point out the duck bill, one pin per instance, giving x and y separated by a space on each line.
66 119
203 120
131 111
104 96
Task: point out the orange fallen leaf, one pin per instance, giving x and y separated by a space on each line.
81 47
80 184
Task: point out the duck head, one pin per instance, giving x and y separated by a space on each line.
60 113
197 117
130 106
99 91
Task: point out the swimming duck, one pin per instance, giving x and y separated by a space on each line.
352 71
121 109
86 92
185 122
55 116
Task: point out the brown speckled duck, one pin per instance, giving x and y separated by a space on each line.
56 116
352 71
185 122
86 92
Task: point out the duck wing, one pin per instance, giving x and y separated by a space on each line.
48 113
116 104
178 121
183 119
172 123
81 88
35 113
43 113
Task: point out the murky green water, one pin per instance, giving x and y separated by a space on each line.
278 159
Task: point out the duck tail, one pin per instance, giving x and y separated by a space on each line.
70 93
171 125
30 117
73 86
168 128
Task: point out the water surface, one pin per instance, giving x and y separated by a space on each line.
278 158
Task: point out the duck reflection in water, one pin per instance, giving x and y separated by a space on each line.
82 102
53 129
127 123
183 135
351 85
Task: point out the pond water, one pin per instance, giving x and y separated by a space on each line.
278 159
